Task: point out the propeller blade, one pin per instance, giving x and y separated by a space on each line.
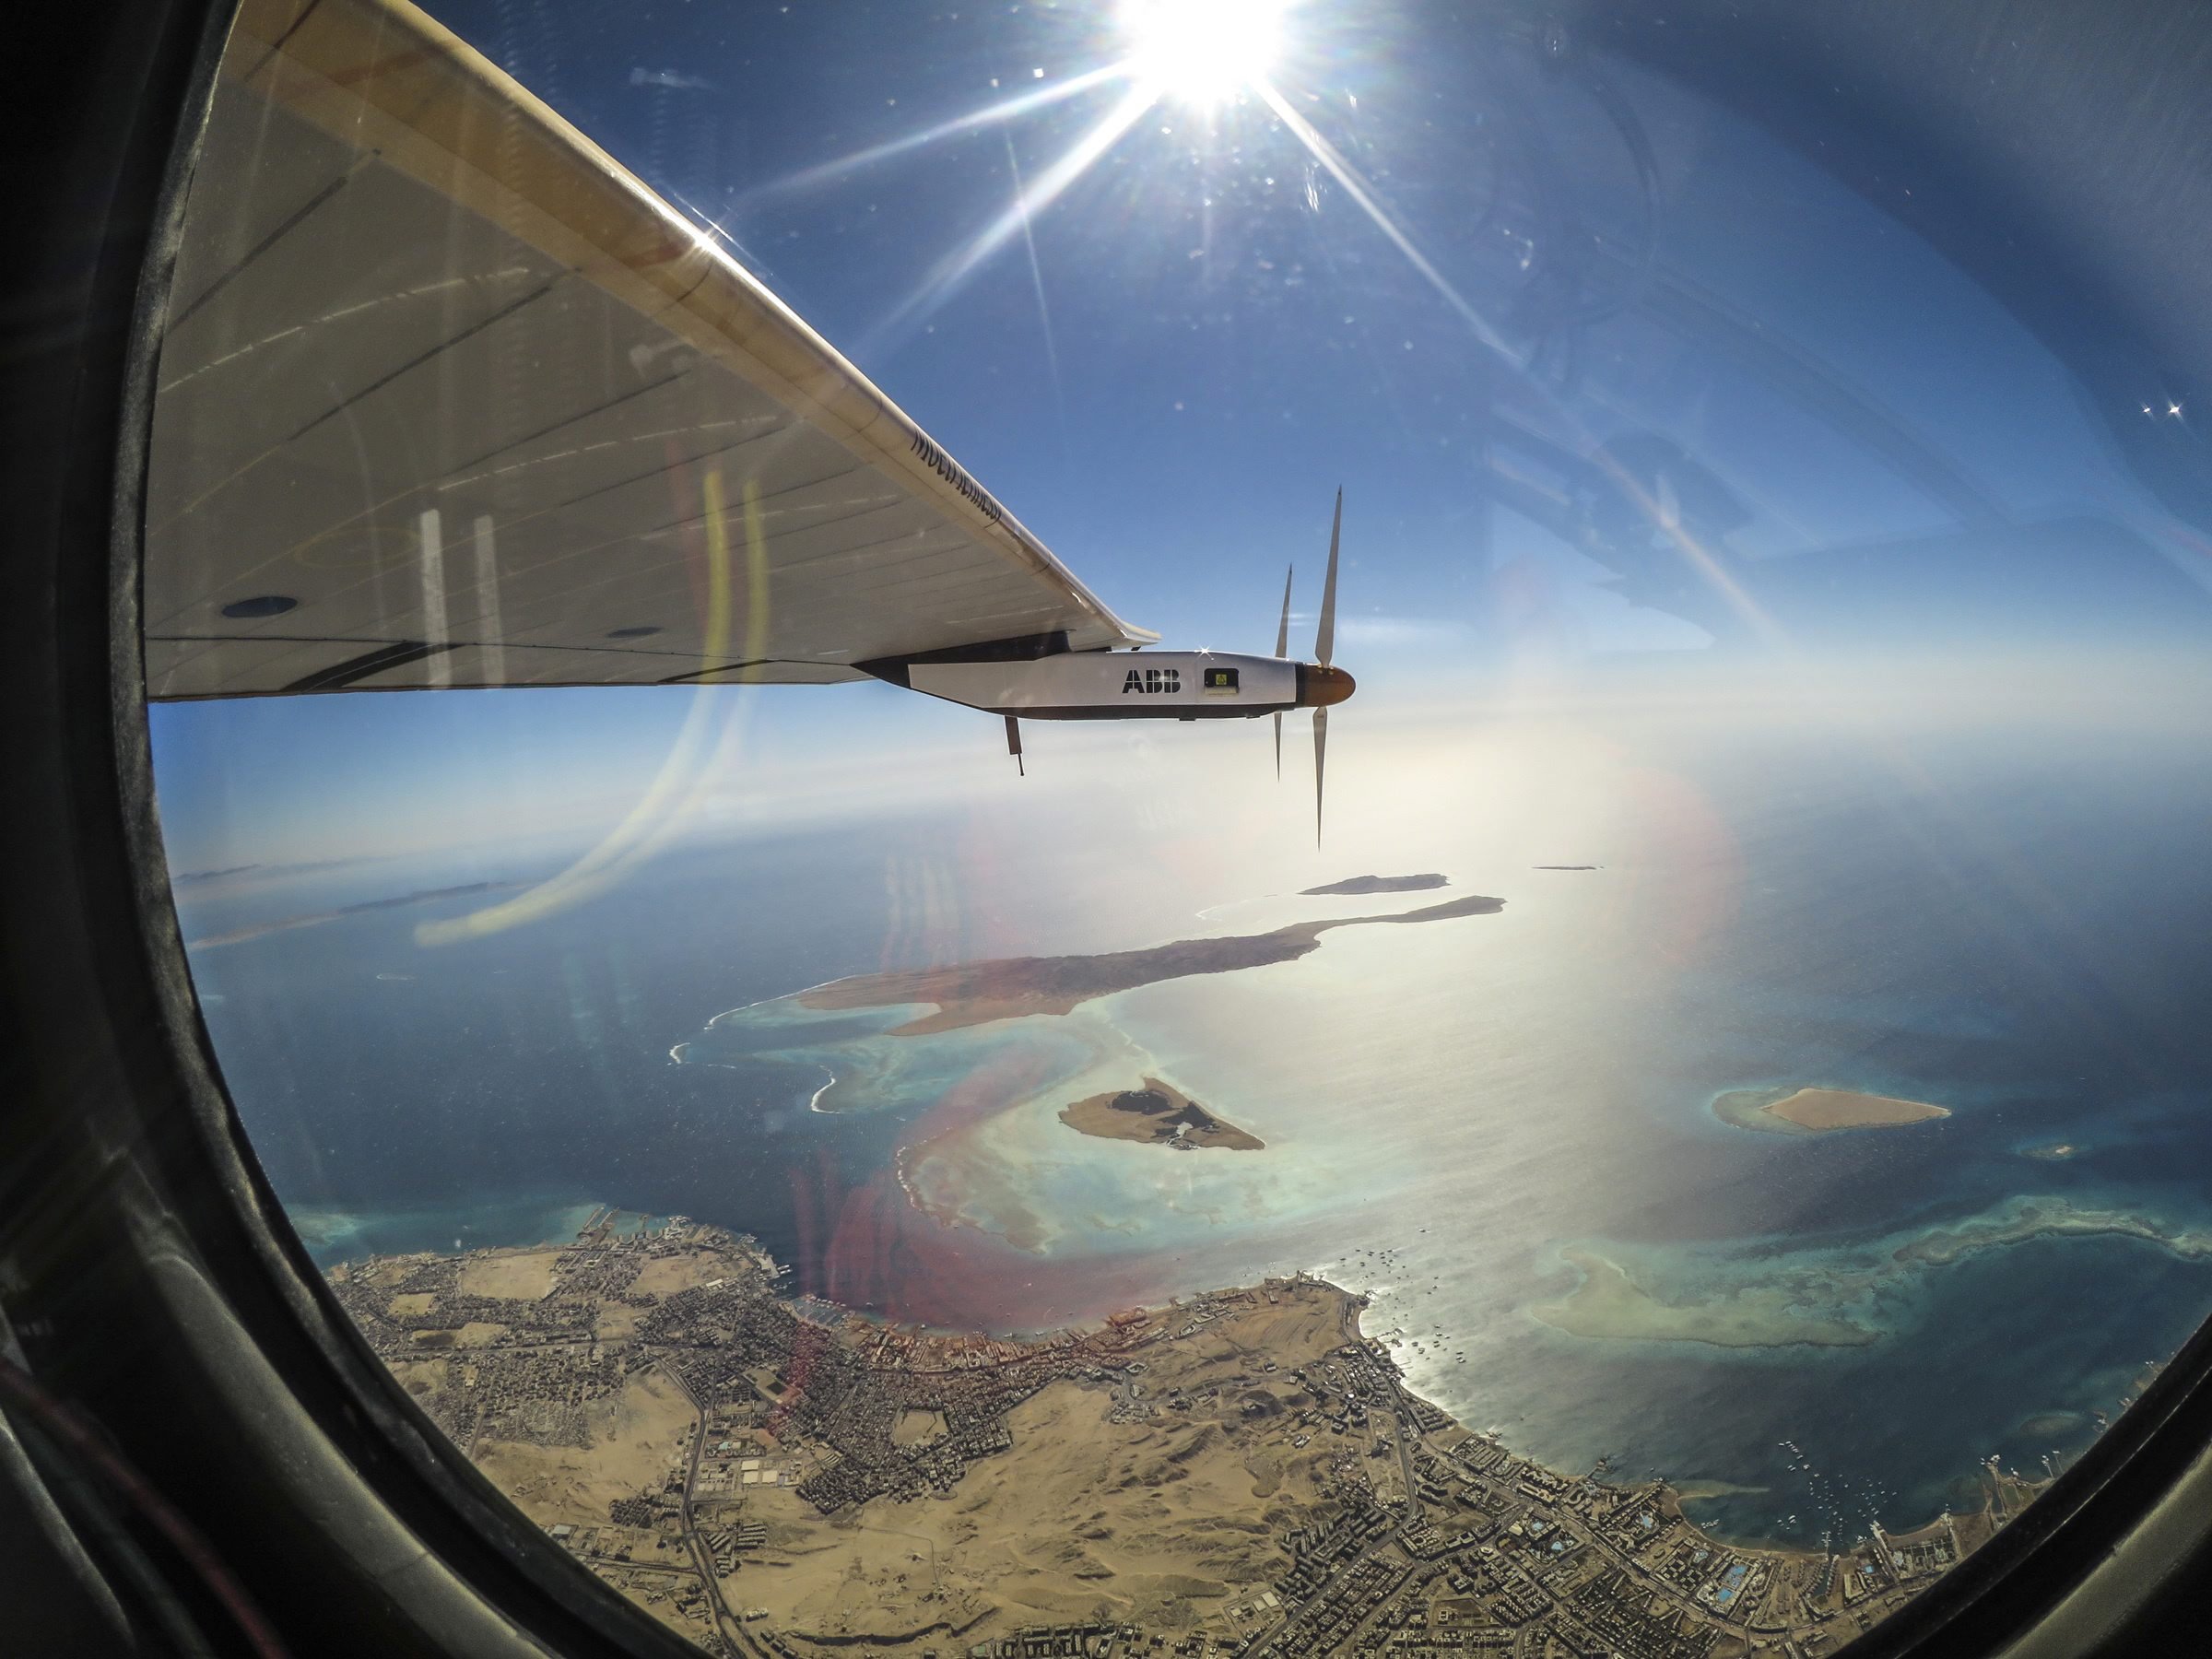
1282 645
1321 750
1324 642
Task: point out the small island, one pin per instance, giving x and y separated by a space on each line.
2051 1151
1360 885
1819 1110
1159 1113
1567 866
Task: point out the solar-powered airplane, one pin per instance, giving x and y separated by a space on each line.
1021 682
451 399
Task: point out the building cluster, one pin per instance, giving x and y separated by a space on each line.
518 1369
651 1567
845 1391
1480 1550
1097 1640
1633 1622
1429 1541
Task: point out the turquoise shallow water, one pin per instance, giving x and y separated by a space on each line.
334 1236
1448 1109
1451 1108
1445 1117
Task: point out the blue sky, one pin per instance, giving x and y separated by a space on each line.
1170 370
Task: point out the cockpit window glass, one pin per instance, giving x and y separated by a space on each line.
745 608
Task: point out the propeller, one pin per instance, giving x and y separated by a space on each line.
1282 645
1321 750
1324 646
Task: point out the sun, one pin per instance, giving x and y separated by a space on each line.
1203 52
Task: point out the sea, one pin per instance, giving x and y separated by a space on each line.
2004 922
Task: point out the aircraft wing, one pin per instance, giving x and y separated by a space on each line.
485 411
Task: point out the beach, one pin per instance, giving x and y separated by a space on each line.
1814 1110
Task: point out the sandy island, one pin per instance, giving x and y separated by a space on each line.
1819 1110
1158 1115
970 993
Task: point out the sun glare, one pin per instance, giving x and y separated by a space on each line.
1203 52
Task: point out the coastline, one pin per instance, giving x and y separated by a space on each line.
605 1223
1245 1465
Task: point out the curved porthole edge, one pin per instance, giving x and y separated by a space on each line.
190 1193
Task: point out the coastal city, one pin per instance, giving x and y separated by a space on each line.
1241 1473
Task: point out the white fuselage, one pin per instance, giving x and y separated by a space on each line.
1118 685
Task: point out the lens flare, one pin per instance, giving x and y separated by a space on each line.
1203 52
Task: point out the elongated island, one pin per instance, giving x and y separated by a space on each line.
969 993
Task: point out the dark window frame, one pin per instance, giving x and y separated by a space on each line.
144 1259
